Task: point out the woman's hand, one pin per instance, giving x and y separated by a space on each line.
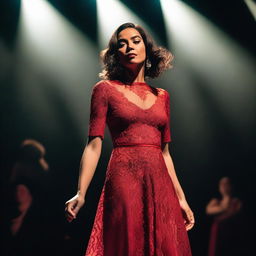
188 215
73 206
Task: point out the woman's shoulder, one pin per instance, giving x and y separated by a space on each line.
104 84
214 201
163 92
100 84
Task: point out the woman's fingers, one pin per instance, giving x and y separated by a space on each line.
189 225
70 214
190 220
72 207
69 218
77 208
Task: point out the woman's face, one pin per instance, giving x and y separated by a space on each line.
225 186
131 48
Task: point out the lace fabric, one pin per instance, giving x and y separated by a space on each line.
138 212
125 112
140 94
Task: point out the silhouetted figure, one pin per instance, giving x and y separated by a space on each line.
25 225
227 231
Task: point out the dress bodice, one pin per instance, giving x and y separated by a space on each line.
135 114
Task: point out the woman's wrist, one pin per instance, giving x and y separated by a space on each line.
180 195
81 194
183 201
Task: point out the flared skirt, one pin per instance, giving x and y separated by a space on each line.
138 213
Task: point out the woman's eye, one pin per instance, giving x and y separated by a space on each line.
120 45
136 42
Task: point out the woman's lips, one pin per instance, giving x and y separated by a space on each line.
131 55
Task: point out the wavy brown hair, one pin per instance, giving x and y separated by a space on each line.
159 58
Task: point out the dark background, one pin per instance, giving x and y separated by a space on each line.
231 152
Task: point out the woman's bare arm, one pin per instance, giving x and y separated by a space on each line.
187 212
227 206
88 166
172 173
214 207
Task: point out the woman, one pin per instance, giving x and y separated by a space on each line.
142 209
25 229
226 236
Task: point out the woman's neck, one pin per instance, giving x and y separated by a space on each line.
136 74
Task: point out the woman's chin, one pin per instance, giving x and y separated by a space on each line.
133 64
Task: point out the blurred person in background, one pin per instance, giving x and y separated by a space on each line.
24 224
227 234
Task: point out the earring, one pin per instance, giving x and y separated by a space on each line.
148 63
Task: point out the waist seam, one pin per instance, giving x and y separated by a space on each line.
137 145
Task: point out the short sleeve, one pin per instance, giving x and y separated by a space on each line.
98 110
166 132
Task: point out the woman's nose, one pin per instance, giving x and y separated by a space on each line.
129 48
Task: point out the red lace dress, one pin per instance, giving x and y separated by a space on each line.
138 212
